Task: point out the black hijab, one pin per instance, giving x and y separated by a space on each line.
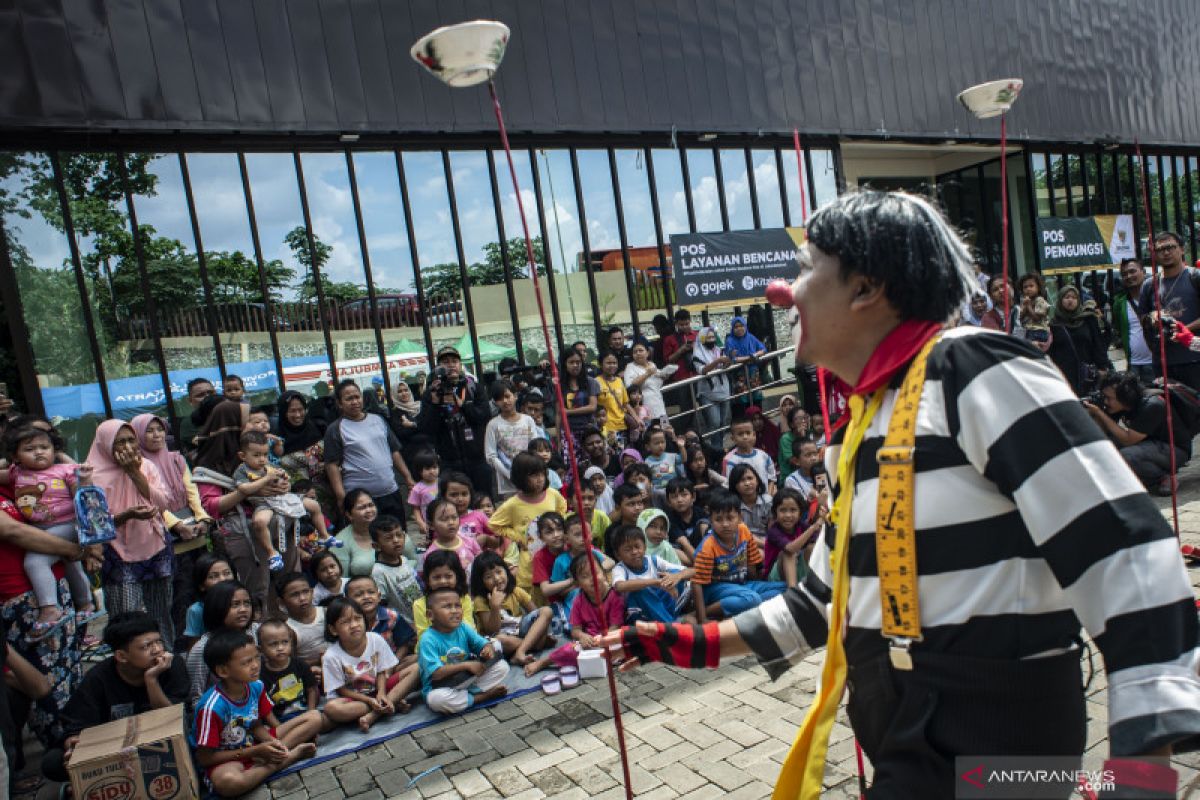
296 437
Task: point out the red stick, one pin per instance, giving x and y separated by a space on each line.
1162 338
1004 218
564 430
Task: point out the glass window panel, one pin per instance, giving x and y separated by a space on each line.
566 244
1155 192
1191 197
238 302
1040 187
672 201
705 199
1075 178
488 290
119 308
50 299
340 266
766 184
440 276
737 189
1059 183
608 265
391 259
1177 197
532 338
649 273
791 182
824 176
175 282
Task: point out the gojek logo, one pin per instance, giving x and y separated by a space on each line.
705 289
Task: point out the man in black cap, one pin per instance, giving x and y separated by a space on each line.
454 413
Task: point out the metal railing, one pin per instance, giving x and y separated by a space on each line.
761 362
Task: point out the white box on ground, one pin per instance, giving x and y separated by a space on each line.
592 664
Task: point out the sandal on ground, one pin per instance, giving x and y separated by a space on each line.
42 629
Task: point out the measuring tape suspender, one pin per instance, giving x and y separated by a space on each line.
895 522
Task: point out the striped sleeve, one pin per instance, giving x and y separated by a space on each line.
1105 543
703 564
784 629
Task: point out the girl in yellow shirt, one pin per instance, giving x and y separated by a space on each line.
516 518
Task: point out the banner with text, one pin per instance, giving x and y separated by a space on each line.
716 267
1078 244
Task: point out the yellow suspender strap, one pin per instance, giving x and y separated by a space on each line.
804 768
895 532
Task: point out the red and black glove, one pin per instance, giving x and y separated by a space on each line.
1181 335
694 646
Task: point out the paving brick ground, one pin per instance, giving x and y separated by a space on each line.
690 734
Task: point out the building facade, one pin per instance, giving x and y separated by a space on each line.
275 189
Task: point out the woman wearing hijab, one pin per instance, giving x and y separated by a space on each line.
744 348
1076 344
975 309
303 439
184 516
712 392
138 564
216 461
406 407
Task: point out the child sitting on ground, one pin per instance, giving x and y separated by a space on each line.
227 606
382 620
45 494
306 620
631 502
361 679
653 523
291 507
597 520
807 458
598 480
598 609
139 676
687 521
506 612
664 465
484 504
514 519
575 545
427 467
744 452
443 524
655 589
728 563
788 536
756 505
442 570
551 531
287 680
459 668
394 574
328 582
236 737
472 523
209 570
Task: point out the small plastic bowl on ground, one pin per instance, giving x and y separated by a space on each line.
569 676
551 684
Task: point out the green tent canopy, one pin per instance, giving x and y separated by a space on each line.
405 346
489 352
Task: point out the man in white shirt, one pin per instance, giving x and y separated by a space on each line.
1127 319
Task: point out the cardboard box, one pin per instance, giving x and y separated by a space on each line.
145 757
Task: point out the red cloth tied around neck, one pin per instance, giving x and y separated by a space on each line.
895 351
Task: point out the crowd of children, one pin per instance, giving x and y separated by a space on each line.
377 617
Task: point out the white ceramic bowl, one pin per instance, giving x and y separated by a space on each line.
464 54
991 99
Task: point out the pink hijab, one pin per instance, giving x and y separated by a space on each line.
137 539
171 466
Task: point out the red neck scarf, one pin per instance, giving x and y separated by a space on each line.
898 348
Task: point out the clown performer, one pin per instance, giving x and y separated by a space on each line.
988 520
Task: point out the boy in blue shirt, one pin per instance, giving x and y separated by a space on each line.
459 668
236 737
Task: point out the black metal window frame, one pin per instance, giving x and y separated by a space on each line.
181 149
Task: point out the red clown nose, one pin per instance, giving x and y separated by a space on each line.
779 293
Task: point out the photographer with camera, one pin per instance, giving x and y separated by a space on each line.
454 414
1076 345
1143 438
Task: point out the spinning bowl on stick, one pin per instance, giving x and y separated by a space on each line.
464 54
991 99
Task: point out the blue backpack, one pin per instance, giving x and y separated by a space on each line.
92 516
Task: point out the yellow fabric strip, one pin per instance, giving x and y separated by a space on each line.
804 769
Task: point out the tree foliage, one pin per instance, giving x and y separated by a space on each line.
444 280
306 291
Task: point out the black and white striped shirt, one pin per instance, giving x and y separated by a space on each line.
1029 524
